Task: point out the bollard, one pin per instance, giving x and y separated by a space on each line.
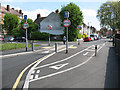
55 47
95 50
78 41
32 46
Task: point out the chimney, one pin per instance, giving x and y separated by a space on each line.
12 8
38 15
8 7
20 11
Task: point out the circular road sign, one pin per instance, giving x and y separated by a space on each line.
25 25
66 23
49 27
79 27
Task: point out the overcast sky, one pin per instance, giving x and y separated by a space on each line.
34 7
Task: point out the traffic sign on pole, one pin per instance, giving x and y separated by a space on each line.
25 25
25 17
79 27
66 14
49 27
66 23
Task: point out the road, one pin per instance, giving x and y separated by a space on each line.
77 69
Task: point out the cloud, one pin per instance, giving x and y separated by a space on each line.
89 12
33 14
54 0
90 17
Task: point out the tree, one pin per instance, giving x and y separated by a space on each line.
76 18
22 32
108 14
11 21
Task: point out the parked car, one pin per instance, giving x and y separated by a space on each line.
20 39
8 39
87 39
94 36
1 39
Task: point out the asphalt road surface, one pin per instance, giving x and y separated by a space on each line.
80 68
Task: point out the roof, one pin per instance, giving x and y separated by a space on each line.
38 20
4 10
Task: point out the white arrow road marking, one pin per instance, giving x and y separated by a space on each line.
85 53
45 52
58 66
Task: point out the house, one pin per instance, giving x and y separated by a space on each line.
3 11
52 19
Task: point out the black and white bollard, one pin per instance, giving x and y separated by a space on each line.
95 50
55 47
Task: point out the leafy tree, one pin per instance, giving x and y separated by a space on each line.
11 21
22 32
76 18
108 14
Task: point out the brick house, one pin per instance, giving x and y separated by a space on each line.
3 11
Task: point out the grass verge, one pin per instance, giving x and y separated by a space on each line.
9 46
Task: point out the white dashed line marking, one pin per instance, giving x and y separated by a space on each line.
38 71
31 77
36 76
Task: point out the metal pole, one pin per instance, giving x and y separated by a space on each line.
67 41
26 39
49 40
55 47
79 39
95 50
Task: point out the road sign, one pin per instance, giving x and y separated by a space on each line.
66 14
79 27
66 23
49 27
25 17
25 25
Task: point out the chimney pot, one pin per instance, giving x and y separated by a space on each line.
20 11
38 15
8 7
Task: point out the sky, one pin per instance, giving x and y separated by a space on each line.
44 7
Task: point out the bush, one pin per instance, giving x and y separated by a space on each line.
37 35
79 35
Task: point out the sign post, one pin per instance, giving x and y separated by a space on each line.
79 28
25 27
66 23
49 27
